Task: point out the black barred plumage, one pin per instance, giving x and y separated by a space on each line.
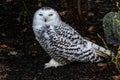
61 41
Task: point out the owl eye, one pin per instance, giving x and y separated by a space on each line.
50 14
41 14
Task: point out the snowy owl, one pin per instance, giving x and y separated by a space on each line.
63 43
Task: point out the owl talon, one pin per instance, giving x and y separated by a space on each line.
52 63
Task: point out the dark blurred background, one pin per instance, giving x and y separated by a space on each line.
21 56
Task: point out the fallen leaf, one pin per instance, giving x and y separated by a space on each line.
116 77
91 28
91 14
101 64
83 12
3 46
62 13
40 4
24 30
18 19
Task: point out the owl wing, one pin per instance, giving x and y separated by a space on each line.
68 43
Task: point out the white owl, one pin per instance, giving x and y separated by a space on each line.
62 43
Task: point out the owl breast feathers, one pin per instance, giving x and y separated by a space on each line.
63 43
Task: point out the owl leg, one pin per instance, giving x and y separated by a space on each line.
52 63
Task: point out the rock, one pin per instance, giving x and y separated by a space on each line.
111 26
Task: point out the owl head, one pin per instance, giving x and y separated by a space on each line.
46 16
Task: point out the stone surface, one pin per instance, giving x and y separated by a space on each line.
111 26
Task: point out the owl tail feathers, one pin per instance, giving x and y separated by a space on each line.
102 51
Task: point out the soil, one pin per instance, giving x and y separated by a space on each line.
21 56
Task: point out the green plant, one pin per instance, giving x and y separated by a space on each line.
116 59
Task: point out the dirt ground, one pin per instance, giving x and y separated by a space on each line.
21 56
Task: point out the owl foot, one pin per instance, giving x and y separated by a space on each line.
52 63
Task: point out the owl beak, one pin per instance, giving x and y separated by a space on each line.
45 20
